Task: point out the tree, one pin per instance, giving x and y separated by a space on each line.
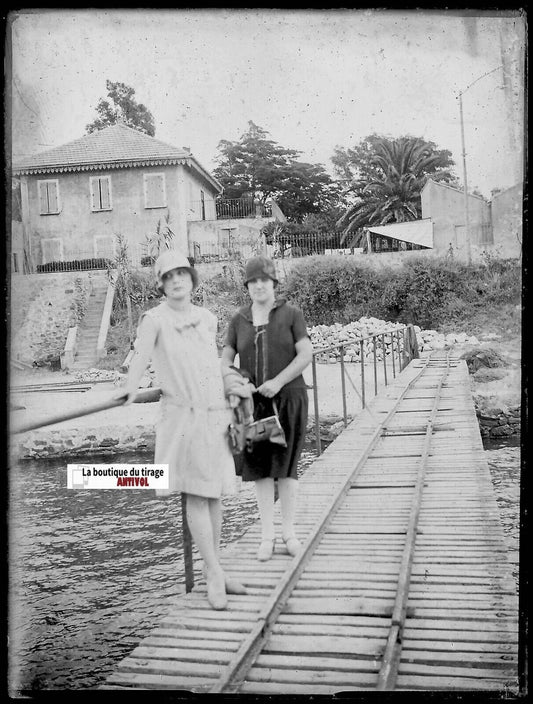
258 167
122 107
386 183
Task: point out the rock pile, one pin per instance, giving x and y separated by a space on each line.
353 337
93 375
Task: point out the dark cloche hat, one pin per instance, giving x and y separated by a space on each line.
259 266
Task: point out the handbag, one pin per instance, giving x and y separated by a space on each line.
243 435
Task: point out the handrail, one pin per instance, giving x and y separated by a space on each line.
106 317
405 352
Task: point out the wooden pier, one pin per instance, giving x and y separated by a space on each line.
403 582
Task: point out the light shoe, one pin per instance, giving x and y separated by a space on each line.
293 545
216 592
266 549
233 586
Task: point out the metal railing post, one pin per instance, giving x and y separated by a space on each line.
399 351
343 386
392 355
315 399
187 546
384 351
375 366
362 354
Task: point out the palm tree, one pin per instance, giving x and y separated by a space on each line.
404 166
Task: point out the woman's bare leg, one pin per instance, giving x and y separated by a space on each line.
264 490
288 490
203 534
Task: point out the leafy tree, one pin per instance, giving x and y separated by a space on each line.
122 107
258 167
386 183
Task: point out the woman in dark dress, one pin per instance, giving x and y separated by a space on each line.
271 339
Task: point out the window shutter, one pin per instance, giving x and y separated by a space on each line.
43 198
93 186
155 190
52 197
104 191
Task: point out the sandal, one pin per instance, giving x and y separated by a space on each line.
293 545
266 549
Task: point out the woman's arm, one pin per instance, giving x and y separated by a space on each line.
227 358
144 345
304 355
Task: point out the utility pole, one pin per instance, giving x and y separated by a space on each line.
467 216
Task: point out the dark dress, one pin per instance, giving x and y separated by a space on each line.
263 352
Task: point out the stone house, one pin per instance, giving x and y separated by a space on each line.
77 197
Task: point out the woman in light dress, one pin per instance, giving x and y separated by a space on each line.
179 338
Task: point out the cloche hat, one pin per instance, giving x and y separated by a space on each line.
260 266
173 259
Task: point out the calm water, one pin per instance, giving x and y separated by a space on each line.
91 571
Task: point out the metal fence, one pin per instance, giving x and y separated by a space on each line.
226 248
229 209
392 350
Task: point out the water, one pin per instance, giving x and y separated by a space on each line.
91 572
503 458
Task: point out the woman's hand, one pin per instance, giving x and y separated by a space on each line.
270 388
129 395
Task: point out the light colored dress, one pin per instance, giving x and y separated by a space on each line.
191 431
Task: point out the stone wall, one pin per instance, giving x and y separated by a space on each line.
44 307
499 422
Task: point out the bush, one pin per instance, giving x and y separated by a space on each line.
421 291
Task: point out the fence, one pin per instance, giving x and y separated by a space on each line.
229 209
392 349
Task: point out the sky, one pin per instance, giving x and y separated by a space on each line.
313 79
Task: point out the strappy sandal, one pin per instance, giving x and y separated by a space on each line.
293 545
266 549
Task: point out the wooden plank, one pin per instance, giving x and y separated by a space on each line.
325 645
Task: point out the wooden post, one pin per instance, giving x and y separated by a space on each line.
187 546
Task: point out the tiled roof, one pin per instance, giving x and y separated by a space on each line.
117 146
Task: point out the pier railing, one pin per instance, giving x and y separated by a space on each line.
392 350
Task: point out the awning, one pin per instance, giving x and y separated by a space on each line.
415 231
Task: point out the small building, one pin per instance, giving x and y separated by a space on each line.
77 197
445 206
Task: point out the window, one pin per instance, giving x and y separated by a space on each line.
52 249
100 193
48 197
155 194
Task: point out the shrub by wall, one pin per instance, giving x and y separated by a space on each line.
423 291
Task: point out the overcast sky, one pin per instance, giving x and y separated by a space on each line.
313 79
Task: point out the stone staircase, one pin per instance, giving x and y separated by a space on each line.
89 327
